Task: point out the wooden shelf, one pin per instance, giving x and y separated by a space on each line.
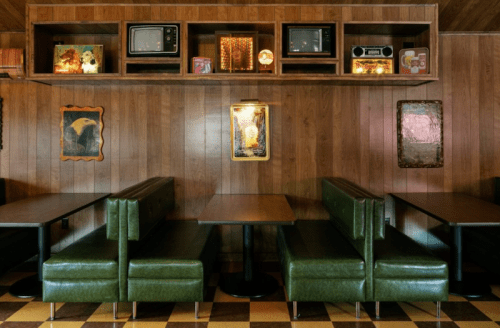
198 39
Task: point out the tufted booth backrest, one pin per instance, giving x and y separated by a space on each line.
132 214
378 212
355 213
346 210
149 200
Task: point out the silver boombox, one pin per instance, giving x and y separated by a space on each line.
372 51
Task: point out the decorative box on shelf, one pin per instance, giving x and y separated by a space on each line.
12 63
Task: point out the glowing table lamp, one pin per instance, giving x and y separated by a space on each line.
266 58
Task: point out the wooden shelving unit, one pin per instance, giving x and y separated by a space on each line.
197 38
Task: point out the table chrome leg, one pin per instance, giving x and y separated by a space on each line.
115 310
196 310
358 309
377 310
295 314
52 311
134 310
438 310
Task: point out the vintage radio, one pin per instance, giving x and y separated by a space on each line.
372 51
309 40
413 61
153 40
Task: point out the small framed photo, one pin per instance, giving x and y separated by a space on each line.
81 133
250 132
420 133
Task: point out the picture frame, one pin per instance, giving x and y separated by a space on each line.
1 122
250 132
420 133
81 133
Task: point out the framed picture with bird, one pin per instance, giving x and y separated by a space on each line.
81 133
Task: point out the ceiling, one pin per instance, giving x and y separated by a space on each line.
454 15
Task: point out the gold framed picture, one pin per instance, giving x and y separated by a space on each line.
250 132
81 133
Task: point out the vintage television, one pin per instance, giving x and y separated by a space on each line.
153 40
309 40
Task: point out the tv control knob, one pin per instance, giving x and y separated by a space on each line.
168 38
169 30
358 51
387 51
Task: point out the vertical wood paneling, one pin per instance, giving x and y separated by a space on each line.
364 136
316 130
195 145
461 115
32 136
474 117
376 143
496 69
213 149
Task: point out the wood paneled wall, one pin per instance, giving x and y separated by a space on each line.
317 131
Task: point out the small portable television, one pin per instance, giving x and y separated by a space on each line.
309 41
153 40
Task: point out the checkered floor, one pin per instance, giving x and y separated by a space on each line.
223 311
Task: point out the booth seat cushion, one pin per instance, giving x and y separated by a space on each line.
316 250
175 251
92 257
398 256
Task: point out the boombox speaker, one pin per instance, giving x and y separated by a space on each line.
372 51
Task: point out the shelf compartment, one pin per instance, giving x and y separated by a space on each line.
397 34
153 68
333 39
202 39
45 35
314 68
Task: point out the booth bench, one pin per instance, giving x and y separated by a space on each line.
160 261
137 256
355 257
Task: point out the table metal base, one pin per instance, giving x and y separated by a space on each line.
261 285
472 285
27 287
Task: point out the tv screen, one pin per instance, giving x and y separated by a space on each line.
305 40
147 39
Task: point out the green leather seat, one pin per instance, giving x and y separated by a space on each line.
174 265
405 271
330 261
318 259
85 271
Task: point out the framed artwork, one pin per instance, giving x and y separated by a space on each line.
81 133
1 123
250 132
420 133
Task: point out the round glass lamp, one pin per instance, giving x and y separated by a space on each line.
266 58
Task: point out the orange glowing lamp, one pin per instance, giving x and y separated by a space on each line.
372 66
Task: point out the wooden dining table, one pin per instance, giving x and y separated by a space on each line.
248 210
40 212
457 211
